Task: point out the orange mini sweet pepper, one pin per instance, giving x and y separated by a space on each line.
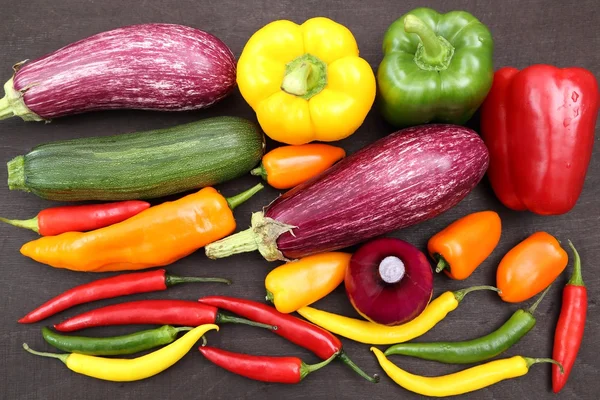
530 267
155 237
463 245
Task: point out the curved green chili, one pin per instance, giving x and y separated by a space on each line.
475 350
112 346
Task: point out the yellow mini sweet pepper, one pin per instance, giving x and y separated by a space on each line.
306 82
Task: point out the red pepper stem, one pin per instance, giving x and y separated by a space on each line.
346 360
576 278
306 369
442 264
531 361
260 171
460 294
534 306
238 199
171 280
230 319
61 357
31 224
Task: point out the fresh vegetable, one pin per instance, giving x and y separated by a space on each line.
530 267
262 368
163 67
82 218
319 341
156 237
389 281
306 82
132 369
288 166
436 67
107 288
400 180
466 381
113 346
153 312
539 124
299 283
570 326
475 350
140 165
464 244
371 333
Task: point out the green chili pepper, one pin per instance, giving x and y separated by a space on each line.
112 346
476 350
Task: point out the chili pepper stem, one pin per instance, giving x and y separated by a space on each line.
61 357
534 306
31 224
532 361
183 329
171 280
576 278
460 294
346 360
442 264
238 199
229 319
306 369
259 171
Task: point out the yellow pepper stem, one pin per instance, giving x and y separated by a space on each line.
61 357
531 361
305 76
460 294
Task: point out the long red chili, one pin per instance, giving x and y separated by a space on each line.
153 312
570 326
298 331
107 288
261 368
81 218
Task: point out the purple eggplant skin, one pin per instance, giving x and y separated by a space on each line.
400 180
161 67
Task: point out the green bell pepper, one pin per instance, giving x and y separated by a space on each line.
436 68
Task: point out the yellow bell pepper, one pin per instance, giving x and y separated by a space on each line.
299 283
306 82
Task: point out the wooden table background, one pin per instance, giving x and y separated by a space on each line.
525 32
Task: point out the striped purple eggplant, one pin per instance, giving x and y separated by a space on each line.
163 67
400 180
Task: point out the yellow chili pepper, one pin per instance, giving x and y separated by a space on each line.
299 283
468 380
134 369
371 333
306 82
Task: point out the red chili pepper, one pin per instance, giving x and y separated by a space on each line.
300 332
153 312
120 285
570 326
539 126
57 220
262 368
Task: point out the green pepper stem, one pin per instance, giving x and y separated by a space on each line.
460 294
171 280
346 360
229 319
260 171
269 297
434 52
306 369
61 357
531 361
442 264
535 305
238 199
31 224
576 278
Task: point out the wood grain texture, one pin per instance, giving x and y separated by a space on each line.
525 32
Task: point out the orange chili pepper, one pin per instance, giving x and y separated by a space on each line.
155 237
463 245
289 166
530 267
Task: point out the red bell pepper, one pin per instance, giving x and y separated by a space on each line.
539 124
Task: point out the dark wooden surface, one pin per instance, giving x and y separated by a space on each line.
525 32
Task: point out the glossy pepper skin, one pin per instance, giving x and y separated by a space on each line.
463 245
436 68
299 283
288 166
157 236
306 82
530 267
539 125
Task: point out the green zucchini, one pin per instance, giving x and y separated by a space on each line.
141 165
